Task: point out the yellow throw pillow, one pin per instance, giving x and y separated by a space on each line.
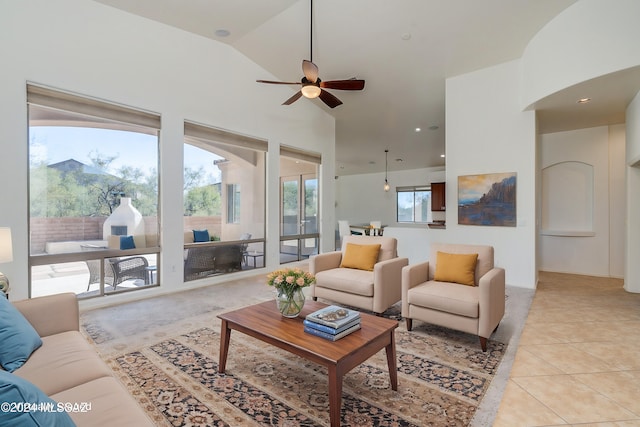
361 257
456 268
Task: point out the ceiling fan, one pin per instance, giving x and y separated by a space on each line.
312 86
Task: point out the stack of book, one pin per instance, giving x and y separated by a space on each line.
332 322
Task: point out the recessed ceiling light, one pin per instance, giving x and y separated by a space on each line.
418 129
442 155
399 160
371 162
406 36
222 33
434 127
583 100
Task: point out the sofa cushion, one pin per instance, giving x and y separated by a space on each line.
18 391
448 297
200 236
361 257
456 268
349 280
111 404
19 339
64 360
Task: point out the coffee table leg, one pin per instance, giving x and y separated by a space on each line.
391 362
335 396
225 335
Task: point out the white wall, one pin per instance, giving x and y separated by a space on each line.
590 38
593 254
632 266
361 198
92 49
487 133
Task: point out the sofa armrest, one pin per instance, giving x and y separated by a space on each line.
492 295
51 314
412 275
325 261
387 283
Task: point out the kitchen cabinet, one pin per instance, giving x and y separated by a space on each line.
438 198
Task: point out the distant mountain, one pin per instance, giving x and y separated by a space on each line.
500 192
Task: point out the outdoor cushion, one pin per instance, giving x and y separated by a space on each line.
126 242
200 236
19 339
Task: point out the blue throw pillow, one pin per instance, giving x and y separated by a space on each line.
126 242
16 393
18 339
200 235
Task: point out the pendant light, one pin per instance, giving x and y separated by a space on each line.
386 182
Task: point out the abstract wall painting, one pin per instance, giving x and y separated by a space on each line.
487 199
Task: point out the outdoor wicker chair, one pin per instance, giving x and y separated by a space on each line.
199 262
118 270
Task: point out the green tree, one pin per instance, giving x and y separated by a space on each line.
200 199
203 201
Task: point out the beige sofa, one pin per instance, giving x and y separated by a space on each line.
476 309
375 290
69 370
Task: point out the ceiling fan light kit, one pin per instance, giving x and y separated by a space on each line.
310 90
312 86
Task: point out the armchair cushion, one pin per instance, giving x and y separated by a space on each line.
453 298
456 268
360 257
353 281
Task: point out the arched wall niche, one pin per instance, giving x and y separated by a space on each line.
568 199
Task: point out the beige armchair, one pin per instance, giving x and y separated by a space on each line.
476 309
374 290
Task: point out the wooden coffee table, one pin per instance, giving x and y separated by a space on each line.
264 322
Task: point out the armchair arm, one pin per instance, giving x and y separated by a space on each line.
51 314
325 261
492 293
387 283
412 275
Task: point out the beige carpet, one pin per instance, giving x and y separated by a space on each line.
165 351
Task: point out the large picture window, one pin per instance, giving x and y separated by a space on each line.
93 195
224 195
413 204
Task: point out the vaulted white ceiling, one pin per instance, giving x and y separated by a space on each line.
404 49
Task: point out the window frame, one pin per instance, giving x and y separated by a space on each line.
414 189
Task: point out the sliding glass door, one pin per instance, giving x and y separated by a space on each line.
299 220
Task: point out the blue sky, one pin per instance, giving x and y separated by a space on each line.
53 144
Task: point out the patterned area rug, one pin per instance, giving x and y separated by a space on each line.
442 377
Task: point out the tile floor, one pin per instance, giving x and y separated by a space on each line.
578 359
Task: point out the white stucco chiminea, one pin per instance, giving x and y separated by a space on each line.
125 220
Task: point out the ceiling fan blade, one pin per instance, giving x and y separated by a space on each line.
293 99
350 84
310 70
278 83
329 99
